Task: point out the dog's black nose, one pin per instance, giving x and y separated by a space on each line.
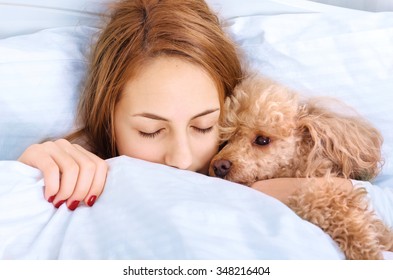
221 167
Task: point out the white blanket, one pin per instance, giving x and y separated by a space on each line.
151 211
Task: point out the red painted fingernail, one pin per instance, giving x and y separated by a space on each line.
58 204
73 205
50 199
92 200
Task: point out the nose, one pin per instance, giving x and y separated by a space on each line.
221 167
180 154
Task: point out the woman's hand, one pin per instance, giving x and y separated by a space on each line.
71 173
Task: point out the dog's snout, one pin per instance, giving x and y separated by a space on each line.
221 167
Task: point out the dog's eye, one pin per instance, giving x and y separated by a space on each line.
222 145
261 140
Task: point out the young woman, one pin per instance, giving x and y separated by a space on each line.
158 75
159 72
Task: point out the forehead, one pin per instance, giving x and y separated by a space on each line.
170 83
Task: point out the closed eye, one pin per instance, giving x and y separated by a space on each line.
203 130
150 135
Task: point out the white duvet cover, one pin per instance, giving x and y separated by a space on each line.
149 211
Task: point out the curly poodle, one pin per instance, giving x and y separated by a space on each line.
270 131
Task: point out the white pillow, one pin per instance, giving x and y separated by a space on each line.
40 80
28 16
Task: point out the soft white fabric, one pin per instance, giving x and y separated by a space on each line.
387 255
18 17
152 211
40 80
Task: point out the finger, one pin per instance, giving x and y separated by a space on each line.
51 174
69 169
37 157
77 175
87 172
98 183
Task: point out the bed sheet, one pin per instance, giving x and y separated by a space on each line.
151 211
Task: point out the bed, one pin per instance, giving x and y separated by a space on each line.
150 211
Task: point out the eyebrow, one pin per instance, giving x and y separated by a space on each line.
156 117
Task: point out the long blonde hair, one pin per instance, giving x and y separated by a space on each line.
139 30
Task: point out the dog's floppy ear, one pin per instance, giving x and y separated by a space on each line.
340 145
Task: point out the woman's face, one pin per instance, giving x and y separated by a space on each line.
168 114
